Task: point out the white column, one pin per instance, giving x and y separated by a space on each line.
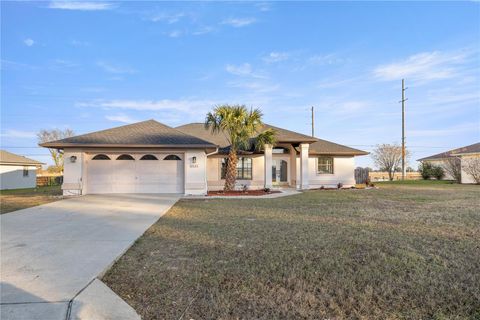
268 165
304 166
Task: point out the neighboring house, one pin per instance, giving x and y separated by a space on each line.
463 153
150 157
17 172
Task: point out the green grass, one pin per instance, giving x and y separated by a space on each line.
415 182
12 200
400 252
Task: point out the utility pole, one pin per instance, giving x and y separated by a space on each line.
404 169
313 122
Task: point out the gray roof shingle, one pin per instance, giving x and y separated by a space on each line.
473 148
148 133
12 158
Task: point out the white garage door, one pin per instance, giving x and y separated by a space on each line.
142 173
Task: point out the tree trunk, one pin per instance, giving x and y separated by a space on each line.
231 174
391 174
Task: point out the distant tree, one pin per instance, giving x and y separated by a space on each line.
388 157
52 135
452 165
471 166
410 169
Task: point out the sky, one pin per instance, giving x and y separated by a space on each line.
89 66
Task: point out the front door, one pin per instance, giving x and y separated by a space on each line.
279 171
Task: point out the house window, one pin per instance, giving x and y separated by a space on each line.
101 157
148 157
244 168
325 165
25 171
172 157
125 157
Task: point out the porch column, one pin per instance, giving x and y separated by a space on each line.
268 165
304 166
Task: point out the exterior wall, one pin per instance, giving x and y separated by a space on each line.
73 174
466 178
195 172
11 177
215 182
343 172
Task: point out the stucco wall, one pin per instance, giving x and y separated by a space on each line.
73 175
441 163
214 174
11 177
195 172
343 172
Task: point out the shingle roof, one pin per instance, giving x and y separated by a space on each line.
317 146
327 147
473 148
11 158
148 133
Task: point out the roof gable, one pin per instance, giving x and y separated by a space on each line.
473 148
148 133
12 158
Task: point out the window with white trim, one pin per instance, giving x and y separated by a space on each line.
325 165
244 168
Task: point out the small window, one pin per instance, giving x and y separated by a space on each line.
148 157
325 165
125 157
244 168
25 171
280 150
172 157
101 157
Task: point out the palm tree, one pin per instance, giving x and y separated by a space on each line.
239 126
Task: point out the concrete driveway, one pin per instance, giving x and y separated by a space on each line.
51 253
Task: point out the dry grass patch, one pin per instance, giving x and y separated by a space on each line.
12 200
400 252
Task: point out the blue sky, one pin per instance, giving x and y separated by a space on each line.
95 65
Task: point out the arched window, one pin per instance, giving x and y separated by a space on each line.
125 157
148 157
172 157
101 157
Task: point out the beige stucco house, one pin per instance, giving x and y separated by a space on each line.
463 154
150 157
17 172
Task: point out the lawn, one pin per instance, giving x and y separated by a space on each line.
11 200
404 251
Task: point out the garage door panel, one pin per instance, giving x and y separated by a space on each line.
135 176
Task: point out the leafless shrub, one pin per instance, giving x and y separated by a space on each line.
472 167
452 165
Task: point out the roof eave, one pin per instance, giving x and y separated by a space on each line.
106 145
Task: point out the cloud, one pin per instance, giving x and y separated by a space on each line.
121 118
80 5
175 33
325 59
276 57
78 43
449 131
244 69
29 42
203 30
169 18
151 105
423 66
18 134
64 63
115 68
263 6
239 22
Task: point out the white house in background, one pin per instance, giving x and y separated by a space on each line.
150 157
463 153
17 172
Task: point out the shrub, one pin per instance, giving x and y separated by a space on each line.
438 172
267 190
340 185
426 169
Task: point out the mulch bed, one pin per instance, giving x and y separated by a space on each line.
241 193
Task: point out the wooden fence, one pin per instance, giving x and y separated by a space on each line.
383 176
50 180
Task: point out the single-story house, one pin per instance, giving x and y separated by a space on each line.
464 154
150 157
17 172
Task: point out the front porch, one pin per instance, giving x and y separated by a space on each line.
275 167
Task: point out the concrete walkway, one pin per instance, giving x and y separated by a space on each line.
53 253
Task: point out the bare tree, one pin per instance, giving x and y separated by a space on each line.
452 165
388 157
471 166
52 135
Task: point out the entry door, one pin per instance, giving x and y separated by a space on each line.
279 171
